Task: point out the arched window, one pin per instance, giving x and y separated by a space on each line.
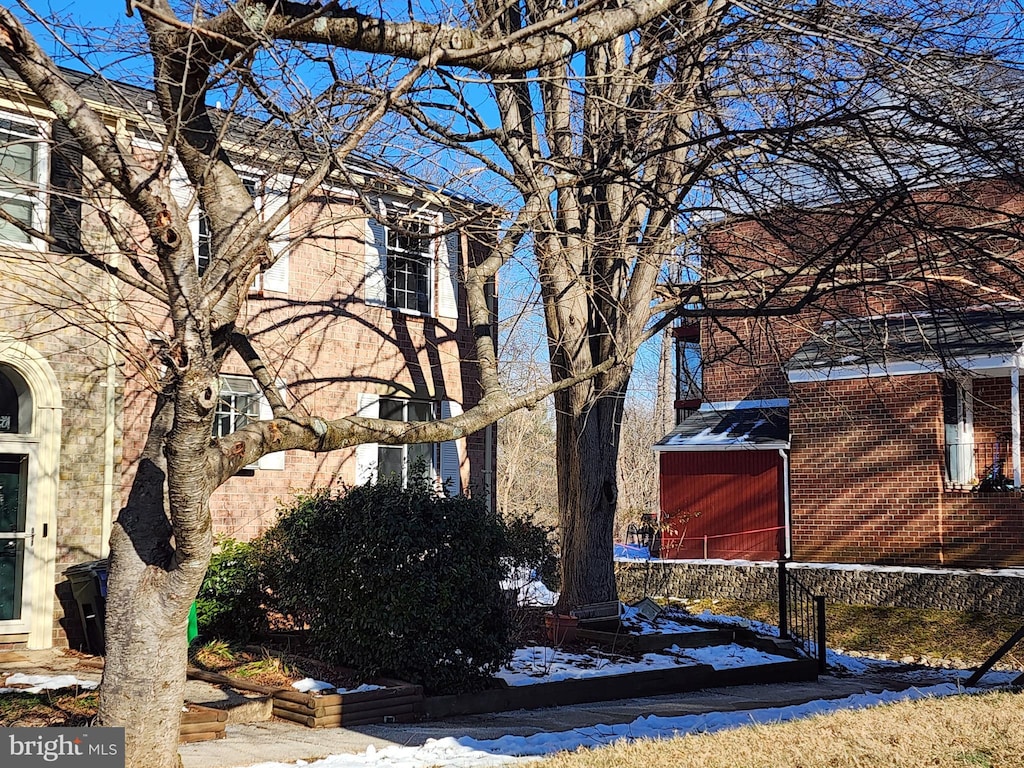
15 403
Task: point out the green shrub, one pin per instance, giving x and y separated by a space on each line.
396 581
230 601
532 546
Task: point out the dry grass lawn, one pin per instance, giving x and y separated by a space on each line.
984 731
966 637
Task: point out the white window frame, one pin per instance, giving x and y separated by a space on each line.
960 468
37 131
405 403
236 386
260 411
447 457
442 267
427 255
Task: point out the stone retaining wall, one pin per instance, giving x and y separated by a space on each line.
988 592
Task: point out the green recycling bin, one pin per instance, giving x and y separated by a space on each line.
193 624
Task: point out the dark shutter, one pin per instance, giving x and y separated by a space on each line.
65 191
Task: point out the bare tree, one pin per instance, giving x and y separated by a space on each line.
526 480
192 315
620 129
638 465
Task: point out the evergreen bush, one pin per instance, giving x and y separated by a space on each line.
230 604
396 581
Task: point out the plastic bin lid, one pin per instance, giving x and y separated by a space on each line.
86 568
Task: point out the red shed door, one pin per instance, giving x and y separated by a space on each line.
722 504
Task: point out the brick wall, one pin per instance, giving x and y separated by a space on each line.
329 346
867 479
757 271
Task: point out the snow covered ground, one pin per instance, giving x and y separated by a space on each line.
541 664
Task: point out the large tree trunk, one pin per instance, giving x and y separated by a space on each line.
144 675
151 587
587 449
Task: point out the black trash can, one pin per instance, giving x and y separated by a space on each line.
89 587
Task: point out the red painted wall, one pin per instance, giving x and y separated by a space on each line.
721 495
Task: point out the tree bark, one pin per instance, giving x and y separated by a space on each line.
152 584
587 448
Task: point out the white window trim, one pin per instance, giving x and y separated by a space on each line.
40 130
377 255
448 456
431 259
270 461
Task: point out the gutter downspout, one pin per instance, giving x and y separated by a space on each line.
1015 418
787 512
492 497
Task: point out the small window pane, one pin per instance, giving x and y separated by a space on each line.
17 161
419 411
391 409
389 460
20 210
421 459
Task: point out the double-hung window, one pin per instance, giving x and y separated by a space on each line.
239 404
411 265
406 461
20 175
267 198
409 275
437 461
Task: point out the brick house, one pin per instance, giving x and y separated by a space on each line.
880 424
354 318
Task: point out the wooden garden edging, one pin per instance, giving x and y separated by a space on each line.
652 682
648 643
201 723
396 703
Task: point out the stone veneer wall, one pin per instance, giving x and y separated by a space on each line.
955 590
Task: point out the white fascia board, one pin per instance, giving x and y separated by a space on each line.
776 445
905 368
149 145
739 405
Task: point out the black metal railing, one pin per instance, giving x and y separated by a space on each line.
984 465
802 616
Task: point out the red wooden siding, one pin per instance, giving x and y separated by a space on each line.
734 498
